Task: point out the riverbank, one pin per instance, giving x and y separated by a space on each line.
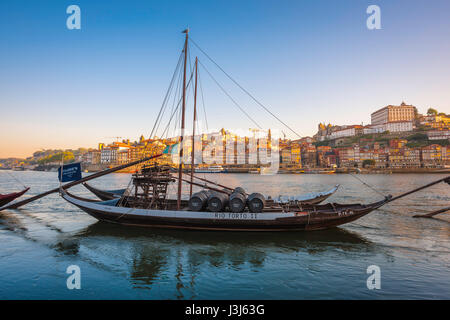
393 170
256 170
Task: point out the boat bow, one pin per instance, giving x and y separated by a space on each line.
7 198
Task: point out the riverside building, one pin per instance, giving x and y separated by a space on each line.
392 113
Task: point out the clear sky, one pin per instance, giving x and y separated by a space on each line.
309 61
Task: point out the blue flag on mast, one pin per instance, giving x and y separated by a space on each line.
171 149
70 172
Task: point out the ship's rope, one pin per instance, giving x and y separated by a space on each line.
174 113
243 89
125 213
157 122
175 105
206 126
163 107
125 194
229 96
15 179
203 101
367 185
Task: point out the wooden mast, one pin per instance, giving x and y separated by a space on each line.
180 146
193 127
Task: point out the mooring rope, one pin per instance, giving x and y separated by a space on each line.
245 91
16 179
229 96
367 185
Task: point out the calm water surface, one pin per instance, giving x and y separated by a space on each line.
38 243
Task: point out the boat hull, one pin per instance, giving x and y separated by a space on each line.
7 198
222 221
209 225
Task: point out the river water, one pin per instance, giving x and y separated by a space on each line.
39 242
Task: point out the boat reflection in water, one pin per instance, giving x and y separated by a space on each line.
149 256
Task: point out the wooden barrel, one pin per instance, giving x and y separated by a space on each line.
217 201
237 202
239 190
256 202
198 201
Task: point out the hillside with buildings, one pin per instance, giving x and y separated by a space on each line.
398 138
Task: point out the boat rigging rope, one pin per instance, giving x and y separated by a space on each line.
203 101
16 179
174 112
177 93
158 118
157 121
228 95
243 89
126 193
367 185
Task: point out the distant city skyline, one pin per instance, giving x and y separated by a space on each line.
309 62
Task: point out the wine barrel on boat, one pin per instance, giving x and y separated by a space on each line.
217 201
256 202
239 190
238 200
199 200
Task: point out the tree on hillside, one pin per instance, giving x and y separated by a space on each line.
55 158
417 137
368 162
432 111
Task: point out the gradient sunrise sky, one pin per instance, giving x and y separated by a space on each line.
308 61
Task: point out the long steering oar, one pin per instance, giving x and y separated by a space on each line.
431 214
446 179
71 184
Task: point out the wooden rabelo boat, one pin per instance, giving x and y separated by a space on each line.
7 198
159 212
273 218
215 207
